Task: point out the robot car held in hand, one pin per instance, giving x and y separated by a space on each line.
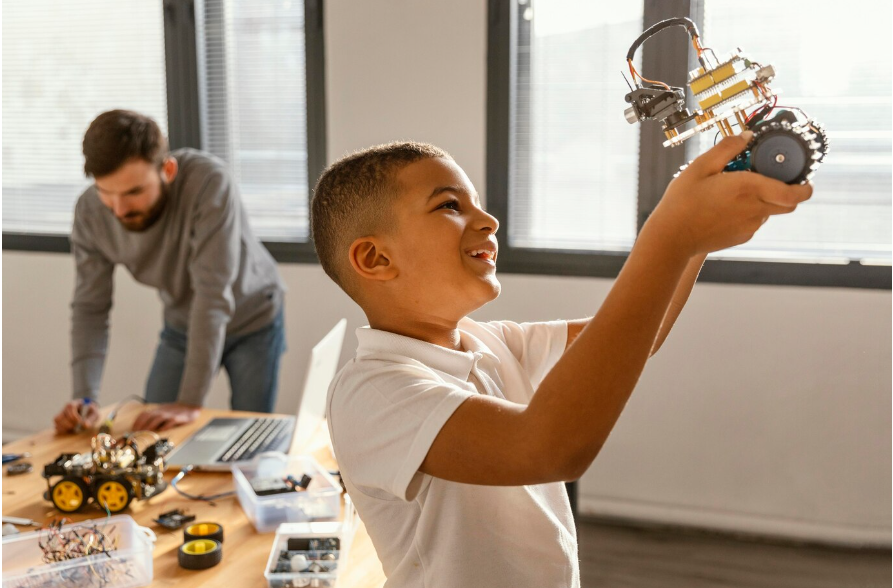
113 473
787 145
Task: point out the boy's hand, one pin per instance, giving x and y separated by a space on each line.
706 209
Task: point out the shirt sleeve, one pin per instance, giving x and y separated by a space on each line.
384 423
213 269
90 308
537 346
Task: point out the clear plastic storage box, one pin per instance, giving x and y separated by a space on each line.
321 501
128 566
316 555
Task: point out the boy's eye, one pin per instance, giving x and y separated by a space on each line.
451 204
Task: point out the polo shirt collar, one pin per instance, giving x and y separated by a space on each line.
458 364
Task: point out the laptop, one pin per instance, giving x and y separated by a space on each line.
227 441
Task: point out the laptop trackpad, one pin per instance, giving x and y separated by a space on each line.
217 433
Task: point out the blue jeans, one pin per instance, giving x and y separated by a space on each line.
251 361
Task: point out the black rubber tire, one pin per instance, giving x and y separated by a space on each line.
199 561
779 139
194 531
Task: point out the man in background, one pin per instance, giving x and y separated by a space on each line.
176 222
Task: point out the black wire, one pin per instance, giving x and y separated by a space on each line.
182 475
689 25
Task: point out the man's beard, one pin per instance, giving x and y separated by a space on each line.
140 221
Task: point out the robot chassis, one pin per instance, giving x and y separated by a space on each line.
787 144
113 473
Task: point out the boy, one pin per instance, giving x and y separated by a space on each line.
453 437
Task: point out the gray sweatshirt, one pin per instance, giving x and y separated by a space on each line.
214 278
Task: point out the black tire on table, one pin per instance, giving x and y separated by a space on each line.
204 530
200 554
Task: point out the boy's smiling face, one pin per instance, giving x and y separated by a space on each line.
441 250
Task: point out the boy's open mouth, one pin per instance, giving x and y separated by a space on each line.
488 255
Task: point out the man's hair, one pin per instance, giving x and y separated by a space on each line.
354 198
117 136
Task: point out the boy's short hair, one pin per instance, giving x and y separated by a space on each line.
353 198
117 136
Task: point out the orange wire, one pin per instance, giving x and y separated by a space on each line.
696 45
636 74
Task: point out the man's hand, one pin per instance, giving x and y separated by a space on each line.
70 416
165 416
705 209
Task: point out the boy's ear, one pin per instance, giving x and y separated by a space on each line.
370 260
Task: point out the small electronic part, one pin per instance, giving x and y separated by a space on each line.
174 519
266 486
297 563
203 531
13 457
313 544
787 144
200 554
305 561
19 468
114 473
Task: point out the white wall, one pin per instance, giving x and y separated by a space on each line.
768 409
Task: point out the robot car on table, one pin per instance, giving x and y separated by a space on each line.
113 473
787 144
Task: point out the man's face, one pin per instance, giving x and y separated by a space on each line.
444 243
135 193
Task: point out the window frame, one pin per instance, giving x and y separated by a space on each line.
185 121
666 58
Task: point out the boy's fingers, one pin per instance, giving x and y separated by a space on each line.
773 191
774 209
715 160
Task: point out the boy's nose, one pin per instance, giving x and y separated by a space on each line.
486 222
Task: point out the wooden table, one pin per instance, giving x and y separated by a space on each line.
245 551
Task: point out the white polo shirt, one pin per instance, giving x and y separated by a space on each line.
385 409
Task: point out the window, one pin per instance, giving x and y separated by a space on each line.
564 165
254 107
849 91
63 65
241 79
570 142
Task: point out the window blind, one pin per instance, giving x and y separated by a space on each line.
845 86
253 99
574 178
64 63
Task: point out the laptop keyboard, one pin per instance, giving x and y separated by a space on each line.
262 434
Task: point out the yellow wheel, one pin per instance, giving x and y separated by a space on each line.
69 494
114 494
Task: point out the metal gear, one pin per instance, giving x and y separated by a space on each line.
784 152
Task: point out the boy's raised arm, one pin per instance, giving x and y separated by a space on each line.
556 437
680 297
